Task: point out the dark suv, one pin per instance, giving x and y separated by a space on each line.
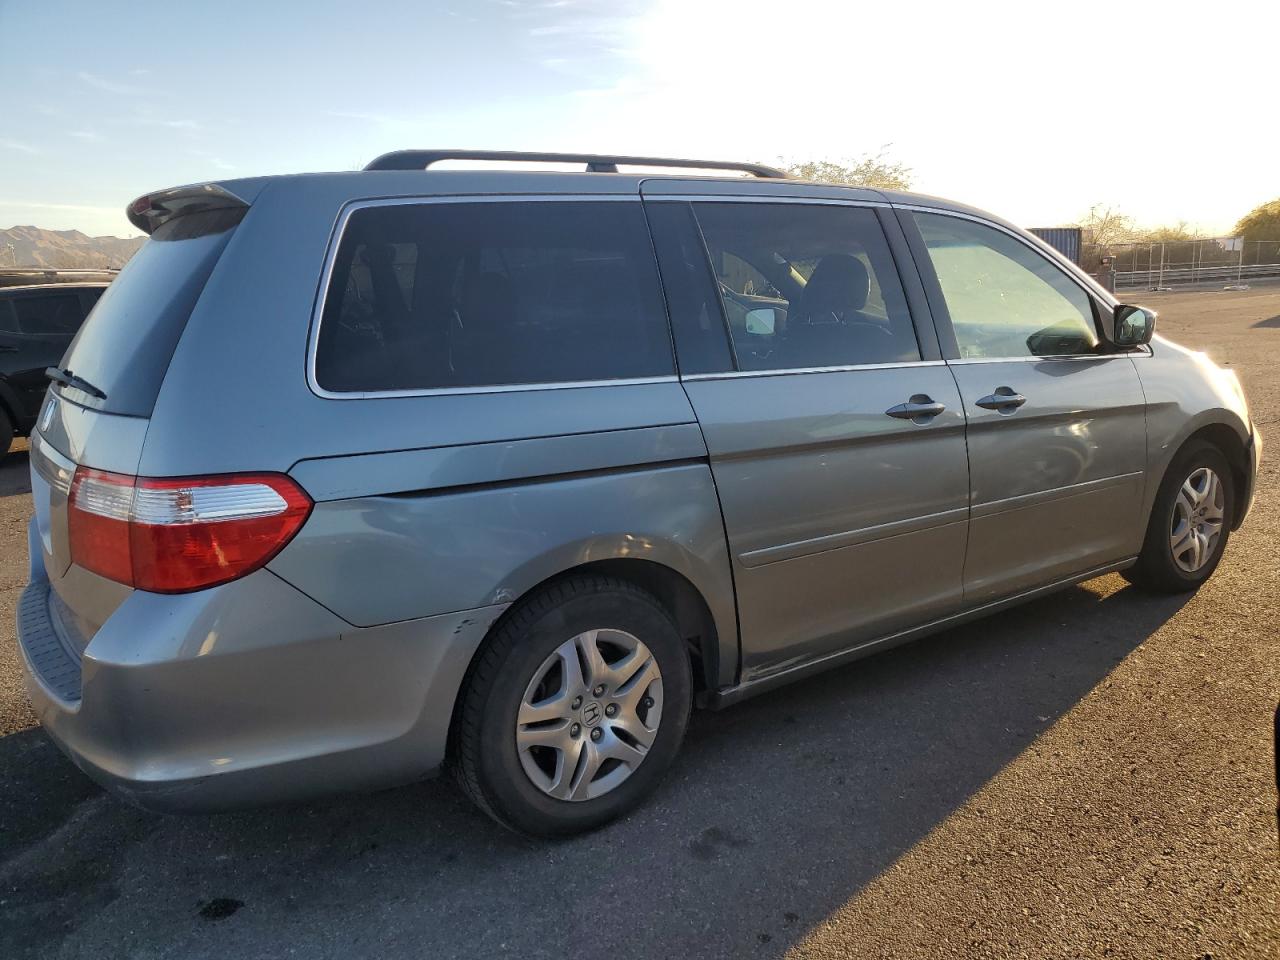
37 324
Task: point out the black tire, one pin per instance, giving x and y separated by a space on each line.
6 433
1156 569
486 761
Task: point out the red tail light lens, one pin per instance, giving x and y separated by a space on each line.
179 534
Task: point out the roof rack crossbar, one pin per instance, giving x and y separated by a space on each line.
595 163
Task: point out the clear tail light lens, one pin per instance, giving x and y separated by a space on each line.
174 535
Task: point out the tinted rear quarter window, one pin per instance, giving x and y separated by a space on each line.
125 346
50 314
469 294
8 319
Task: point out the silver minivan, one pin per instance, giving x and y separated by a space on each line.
352 477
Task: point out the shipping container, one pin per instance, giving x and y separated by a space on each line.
1066 240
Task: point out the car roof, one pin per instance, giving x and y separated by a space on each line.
361 184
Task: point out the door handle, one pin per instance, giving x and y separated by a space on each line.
8 348
920 409
1004 400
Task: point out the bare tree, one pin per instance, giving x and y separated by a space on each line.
1105 225
1173 233
870 170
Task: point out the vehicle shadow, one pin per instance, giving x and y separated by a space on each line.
778 812
1268 322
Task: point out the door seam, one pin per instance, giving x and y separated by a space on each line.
968 466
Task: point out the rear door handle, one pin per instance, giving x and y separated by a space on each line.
1004 400
8 348
920 409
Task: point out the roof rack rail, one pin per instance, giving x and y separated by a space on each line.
595 163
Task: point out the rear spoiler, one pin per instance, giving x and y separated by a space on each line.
148 212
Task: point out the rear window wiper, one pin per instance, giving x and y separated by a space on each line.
69 379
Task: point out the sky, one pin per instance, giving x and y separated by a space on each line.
1166 111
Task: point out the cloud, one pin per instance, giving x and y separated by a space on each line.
19 146
578 41
85 135
148 117
382 118
110 86
215 162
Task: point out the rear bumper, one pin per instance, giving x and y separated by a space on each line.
245 694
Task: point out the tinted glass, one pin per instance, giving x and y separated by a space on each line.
125 346
438 295
8 321
807 285
1005 300
49 314
702 342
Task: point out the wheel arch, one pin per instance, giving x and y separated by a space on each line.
1226 438
677 593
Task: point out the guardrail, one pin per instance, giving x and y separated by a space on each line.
1156 264
22 276
1192 275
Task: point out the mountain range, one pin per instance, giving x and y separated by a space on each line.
64 249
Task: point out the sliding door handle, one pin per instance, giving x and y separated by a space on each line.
1004 400
920 409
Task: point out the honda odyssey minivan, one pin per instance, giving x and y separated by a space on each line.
352 477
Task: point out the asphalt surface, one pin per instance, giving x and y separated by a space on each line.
1089 775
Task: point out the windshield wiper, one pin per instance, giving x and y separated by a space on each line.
69 379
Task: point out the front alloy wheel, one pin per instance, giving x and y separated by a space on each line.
1190 522
1198 513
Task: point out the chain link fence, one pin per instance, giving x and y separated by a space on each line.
1216 260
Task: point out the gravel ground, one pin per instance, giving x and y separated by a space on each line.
1089 775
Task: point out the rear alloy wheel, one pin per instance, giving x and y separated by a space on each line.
574 708
1190 522
590 715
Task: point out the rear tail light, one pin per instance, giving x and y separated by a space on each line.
179 534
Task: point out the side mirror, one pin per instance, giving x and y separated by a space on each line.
1133 326
761 321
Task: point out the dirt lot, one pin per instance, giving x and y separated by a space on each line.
1086 776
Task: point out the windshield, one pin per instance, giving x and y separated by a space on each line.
125 345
